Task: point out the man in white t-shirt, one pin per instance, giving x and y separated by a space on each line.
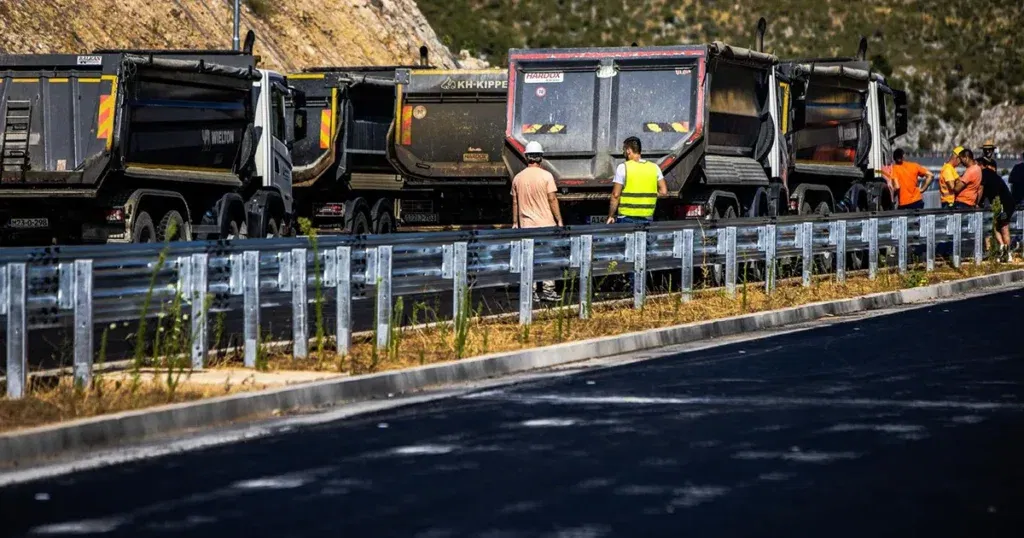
635 187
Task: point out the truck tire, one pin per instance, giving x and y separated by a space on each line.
143 230
171 220
360 224
384 223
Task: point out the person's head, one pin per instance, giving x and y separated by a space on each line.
534 154
988 148
897 155
954 159
631 147
967 157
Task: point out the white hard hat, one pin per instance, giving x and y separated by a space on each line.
534 148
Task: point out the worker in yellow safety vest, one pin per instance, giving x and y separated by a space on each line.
636 187
947 178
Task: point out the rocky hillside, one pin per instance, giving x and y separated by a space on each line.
960 59
290 34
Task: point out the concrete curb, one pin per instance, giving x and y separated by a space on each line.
25 446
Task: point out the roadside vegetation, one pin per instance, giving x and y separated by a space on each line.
160 372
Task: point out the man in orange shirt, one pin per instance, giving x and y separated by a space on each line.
905 176
968 187
948 177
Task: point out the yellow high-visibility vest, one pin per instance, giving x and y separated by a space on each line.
640 194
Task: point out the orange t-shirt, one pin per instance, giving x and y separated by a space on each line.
947 178
531 188
972 184
906 175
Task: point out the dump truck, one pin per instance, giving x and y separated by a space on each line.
446 142
142 146
851 119
710 116
735 131
401 148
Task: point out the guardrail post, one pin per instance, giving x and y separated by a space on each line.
83 322
17 330
686 255
639 269
1020 226
958 230
979 234
901 233
199 310
300 305
586 274
770 244
383 296
460 278
251 302
807 236
928 228
343 276
840 250
872 248
526 282
730 261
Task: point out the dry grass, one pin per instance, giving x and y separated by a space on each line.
426 345
53 400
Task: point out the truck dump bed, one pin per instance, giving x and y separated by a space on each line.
581 104
836 135
352 110
449 126
67 121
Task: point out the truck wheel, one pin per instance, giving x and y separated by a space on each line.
384 224
172 227
273 228
361 224
143 230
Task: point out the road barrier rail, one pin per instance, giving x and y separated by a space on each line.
88 287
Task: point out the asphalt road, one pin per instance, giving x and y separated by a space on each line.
910 424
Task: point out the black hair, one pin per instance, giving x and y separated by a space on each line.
967 153
532 158
897 153
633 143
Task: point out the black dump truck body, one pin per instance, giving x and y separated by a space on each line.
93 127
350 111
701 113
449 126
70 121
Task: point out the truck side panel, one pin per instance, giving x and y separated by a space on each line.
185 122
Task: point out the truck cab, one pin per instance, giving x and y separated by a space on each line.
273 160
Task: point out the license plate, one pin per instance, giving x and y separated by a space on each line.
598 219
420 218
28 224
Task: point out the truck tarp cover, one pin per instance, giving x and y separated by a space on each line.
450 126
62 126
581 104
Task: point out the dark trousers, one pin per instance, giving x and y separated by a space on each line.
915 205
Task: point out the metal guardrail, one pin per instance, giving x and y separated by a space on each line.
88 286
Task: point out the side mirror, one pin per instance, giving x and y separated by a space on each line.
902 112
300 127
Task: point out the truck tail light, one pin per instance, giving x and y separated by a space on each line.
115 216
331 210
694 211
